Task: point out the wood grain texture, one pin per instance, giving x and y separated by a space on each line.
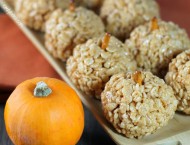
176 132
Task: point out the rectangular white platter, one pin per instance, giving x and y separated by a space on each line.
177 132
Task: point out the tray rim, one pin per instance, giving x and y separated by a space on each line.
86 101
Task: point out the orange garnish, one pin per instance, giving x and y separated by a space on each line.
137 77
154 25
105 41
72 5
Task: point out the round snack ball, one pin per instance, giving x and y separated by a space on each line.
122 16
34 13
155 43
178 77
65 29
94 62
138 104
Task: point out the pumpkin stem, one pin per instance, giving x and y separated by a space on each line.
42 90
137 77
72 6
154 24
105 41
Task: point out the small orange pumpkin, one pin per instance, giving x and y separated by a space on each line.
49 113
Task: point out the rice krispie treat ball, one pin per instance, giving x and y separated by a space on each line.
65 29
138 103
34 13
122 16
156 43
178 77
94 62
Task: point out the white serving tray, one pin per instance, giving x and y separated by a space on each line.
177 132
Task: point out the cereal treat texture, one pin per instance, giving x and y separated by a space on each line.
65 29
92 65
178 77
122 16
34 13
155 43
138 104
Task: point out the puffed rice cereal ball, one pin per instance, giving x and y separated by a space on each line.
155 43
122 16
65 29
34 13
178 77
138 103
94 62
